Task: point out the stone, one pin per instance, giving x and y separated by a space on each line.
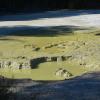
26 65
59 72
66 75
48 59
59 59
6 65
35 49
63 73
14 65
1 64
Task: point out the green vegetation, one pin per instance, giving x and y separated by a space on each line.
46 71
86 45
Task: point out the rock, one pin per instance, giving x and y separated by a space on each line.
14 65
59 59
6 64
59 72
63 73
20 65
67 74
61 46
21 57
1 64
35 49
49 46
48 59
26 65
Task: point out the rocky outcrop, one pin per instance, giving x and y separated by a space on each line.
85 54
14 64
63 73
49 58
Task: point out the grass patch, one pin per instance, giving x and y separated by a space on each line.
12 47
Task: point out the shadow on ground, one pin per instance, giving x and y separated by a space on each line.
50 14
39 31
85 87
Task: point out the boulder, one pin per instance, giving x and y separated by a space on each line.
63 73
67 74
59 72
26 65
14 65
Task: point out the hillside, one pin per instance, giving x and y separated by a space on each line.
32 44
